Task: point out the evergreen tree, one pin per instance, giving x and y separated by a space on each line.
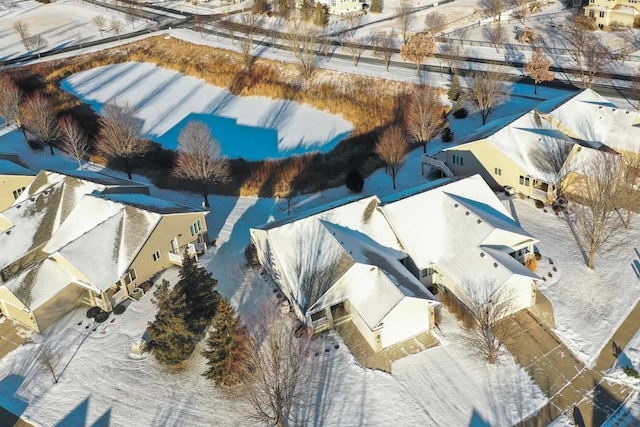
454 89
376 6
355 181
198 286
228 347
321 16
170 340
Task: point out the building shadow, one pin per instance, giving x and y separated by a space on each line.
477 420
77 417
609 409
12 405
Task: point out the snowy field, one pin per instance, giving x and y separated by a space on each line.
254 128
61 23
604 296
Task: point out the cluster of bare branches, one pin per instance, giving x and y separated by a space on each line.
74 140
251 23
41 119
32 43
488 306
101 23
496 34
425 115
199 158
50 359
452 54
493 8
279 374
591 57
435 23
120 134
10 100
391 148
304 43
383 45
405 17
551 156
486 92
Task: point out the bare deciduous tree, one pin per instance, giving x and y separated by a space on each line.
120 134
596 189
405 17
302 40
10 99
22 28
551 156
199 158
489 306
461 35
383 46
117 26
101 23
630 43
391 148
485 94
538 68
523 9
425 115
50 360
435 22
634 85
493 8
417 49
251 22
589 54
36 44
496 34
74 140
279 373
355 46
452 54
630 197
131 13
41 119
273 31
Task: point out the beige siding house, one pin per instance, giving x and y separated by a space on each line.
87 239
615 13
533 152
379 262
14 178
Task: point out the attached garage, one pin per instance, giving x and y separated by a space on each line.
52 310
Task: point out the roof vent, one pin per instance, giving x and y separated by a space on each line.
456 205
33 199
340 241
613 109
482 254
467 213
479 221
8 232
600 107
495 264
349 252
333 233
18 206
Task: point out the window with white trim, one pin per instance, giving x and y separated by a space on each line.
195 228
524 180
156 256
18 192
458 160
130 275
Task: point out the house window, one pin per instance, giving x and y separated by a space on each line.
195 228
592 14
156 256
18 192
497 171
524 180
427 272
458 160
602 14
130 276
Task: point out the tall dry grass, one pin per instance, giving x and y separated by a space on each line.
369 104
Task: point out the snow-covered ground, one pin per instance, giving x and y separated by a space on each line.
254 128
62 23
629 357
589 305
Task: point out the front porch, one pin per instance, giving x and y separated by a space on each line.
192 249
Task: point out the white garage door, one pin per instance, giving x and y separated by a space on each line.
406 328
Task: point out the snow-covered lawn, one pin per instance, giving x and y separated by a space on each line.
61 23
254 128
589 305
629 357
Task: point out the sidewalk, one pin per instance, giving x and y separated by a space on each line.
572 388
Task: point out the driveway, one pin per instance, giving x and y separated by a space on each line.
9 341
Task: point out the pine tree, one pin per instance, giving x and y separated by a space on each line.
354 181
454 89
170 340
198 286
228 347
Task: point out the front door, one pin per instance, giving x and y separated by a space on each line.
174 245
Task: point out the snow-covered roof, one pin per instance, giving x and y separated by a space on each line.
38 284
8 167
448 223
100 178
556 126
150 203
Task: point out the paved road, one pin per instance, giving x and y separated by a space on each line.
572 388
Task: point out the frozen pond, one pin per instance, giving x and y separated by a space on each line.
253 128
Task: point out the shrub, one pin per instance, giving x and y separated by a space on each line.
455 90
631 372
460 113
539 204
531 264
557 208
354 181
447 135
376 6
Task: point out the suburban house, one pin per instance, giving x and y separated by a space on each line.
378 262
613 13
83 238
14 178
533 152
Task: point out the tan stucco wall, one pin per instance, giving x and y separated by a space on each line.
65 301
10 183
13 309
482 158
169 226
372 337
